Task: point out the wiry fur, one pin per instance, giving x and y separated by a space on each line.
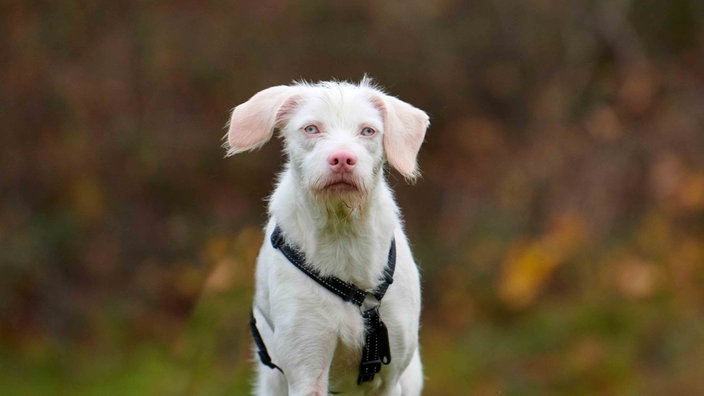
344 222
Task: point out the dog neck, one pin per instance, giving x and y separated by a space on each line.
342 239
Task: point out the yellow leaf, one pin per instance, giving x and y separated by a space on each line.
528 267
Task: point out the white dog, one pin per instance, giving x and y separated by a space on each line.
321 320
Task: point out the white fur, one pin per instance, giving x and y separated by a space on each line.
313 335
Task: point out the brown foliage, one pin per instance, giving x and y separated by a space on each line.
564 166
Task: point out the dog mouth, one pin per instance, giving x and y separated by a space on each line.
341 186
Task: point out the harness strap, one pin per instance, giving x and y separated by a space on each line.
381 289
259 342
376 350
345 290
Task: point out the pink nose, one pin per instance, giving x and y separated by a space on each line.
342 161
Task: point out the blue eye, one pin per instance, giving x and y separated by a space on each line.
368 132
311 129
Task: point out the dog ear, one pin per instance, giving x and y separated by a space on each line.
253 122
404 131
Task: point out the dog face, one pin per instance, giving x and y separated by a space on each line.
335 134
339 133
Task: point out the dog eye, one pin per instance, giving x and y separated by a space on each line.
367 132
311 129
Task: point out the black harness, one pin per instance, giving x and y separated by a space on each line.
376 350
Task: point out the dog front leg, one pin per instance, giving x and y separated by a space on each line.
307 363
307 380
310 385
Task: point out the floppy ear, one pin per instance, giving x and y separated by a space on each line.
404 131
253 122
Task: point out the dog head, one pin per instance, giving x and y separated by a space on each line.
337 135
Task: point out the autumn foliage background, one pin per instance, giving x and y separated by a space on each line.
559 223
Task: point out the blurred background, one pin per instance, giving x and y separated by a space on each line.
559 223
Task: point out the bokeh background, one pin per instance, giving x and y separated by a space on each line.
559 224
